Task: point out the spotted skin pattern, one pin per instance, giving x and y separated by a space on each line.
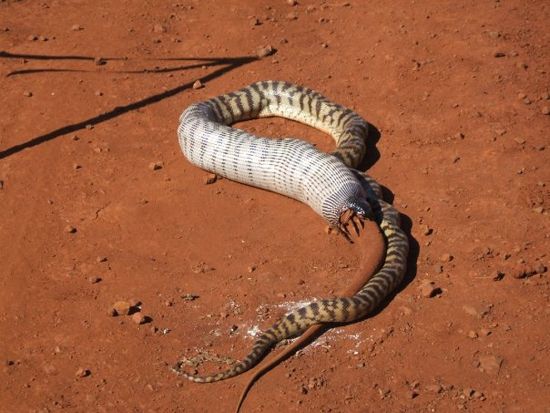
345 196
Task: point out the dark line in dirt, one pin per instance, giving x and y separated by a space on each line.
120 110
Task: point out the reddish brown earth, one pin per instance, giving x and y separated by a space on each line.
459 94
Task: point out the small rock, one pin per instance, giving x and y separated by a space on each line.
98 93
538 210
405 310
134 303
524 272
545 110
490 364
76 166
429 290
76 27
159 28
100 259
27 93
426 230
189 297
446 257
499 54
1 184
324 45
265 51
121 308
155 166
526 101
472 334
411 394
43 38
82 372
485 332
292 16
292 2
434 388
139 318
197 85
70 229
99 61
210 179
32 37
251 268
521 96
468 392
94 279
519 141
255 22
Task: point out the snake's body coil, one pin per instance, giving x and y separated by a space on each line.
297 169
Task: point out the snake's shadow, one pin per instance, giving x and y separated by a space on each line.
372 155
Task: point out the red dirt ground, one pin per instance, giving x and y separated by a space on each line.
459 92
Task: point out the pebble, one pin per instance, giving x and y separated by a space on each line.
446 257
324 45
434 388
98 93
70 229
265 51
426 230
255 22
292 2
94 279
411 394
429 290
499 54
139 318
490 364
27 94
120 308
82 372
292 16
519 141
210 179
155 166
32 37
485 332
99 61
101 259
159 28
198 85
1 184
468 309
472 334
521 96
189 297
545 110
76 27
134 303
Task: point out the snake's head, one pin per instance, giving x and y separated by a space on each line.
353 215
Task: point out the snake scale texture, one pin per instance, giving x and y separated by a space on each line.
343 196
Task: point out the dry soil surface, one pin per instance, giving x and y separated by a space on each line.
98 205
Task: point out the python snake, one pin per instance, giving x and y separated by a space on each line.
344 197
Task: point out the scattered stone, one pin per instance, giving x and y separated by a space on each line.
468 392
76 166
201 268
134 303
70 229
545 110
82 372
98 93
251 268
526 101
499 54
292 2
43 38
292 16
324 45
498 276
159 28
490 364
434 388
472 334
100 259
155 166
197 85
519 141
100 61
411 394
521 96
265 51
524 272
405 310
32 37
1 184
76 27
139 318
94 279
446 257
121 308
255 22
459 135
210 179
189 297
538 210
426 230
429 290
485 332
27 93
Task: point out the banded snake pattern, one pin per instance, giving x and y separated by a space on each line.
328 183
